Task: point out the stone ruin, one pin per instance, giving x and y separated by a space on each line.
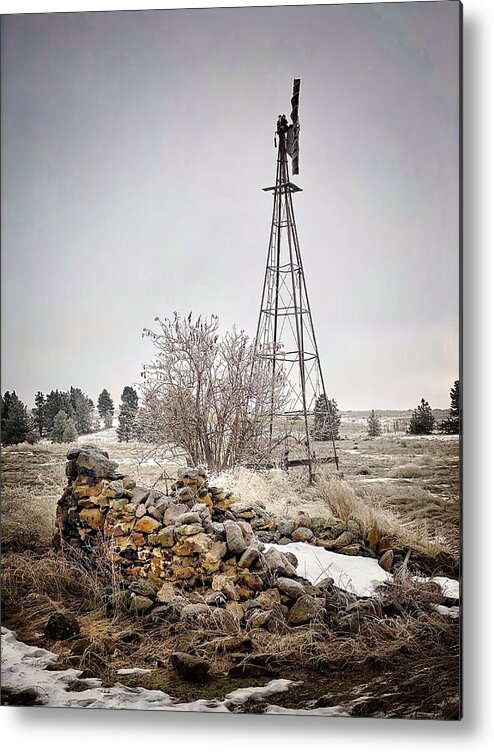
198 554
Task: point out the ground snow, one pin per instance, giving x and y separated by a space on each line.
355 574
25 668
359 575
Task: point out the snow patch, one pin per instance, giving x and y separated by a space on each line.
24 667
356 574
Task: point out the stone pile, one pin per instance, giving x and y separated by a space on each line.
191 555
198 556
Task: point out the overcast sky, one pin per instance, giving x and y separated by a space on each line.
134 149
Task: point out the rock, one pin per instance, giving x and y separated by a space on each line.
318 524
277 562
95 463
128 483
343 540
146 525
372 538
188 518
140 511
223 621
290 556
154 512
139 495
166 593
61 626
219 530
166 536
302 520
305 609
215 598
289 587
190 666
139 604
94 518
352 550
265 536
217 551
302 534
144 587
187 530
285 526
236 609
195 612
172 512
386 544
386 560
353 527
225 585
249 556
186 493
234 537
250 580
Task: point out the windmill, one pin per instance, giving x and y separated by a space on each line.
285 339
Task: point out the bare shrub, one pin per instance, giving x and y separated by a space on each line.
207 393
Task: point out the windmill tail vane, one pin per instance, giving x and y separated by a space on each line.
290 132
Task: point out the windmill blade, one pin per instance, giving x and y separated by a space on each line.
293 130
295 98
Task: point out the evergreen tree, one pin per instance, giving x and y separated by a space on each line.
69 432
56 401
126 420
106 407
82 407
39 412
326 415
452 423
61 427
373 424
422 420
5 409
129 395
16 424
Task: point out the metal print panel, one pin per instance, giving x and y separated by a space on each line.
231 395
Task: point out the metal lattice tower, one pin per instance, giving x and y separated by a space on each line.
285 337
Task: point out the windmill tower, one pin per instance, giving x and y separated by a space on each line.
285 338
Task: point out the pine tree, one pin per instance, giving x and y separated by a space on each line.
326 415
56 401
452 423
422 420
126 420
82 407
5 409
69 432
16 424
39 412
129 395
373 424
106 407
64 430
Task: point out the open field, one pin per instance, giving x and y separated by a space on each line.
399 666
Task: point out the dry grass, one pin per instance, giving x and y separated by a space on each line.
28 520
410 471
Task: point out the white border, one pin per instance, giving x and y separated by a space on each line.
52 729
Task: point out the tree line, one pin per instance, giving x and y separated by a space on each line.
61 416
327 418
